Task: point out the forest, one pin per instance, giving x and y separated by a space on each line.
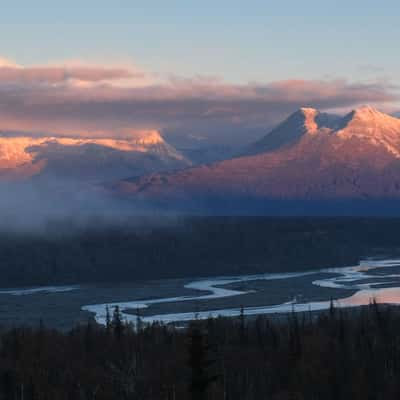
189 247
335 355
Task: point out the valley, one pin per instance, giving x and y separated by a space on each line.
179 301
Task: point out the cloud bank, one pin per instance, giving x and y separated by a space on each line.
92 100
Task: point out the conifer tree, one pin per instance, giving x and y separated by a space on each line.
117 323
199 363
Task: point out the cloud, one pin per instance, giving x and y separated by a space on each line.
97 100
14 74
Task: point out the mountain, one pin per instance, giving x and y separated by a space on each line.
303 121
24 156
312 158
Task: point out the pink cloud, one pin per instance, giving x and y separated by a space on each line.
91 100
37 75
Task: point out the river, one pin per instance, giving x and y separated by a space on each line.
368 281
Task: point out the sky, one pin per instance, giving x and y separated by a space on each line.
200 72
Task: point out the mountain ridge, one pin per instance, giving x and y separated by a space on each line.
360 122
323 157
25 156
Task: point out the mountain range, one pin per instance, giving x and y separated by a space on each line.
311 158
312 162
24 156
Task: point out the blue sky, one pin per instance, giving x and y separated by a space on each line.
239 41
152 64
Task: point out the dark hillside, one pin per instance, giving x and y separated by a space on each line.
191 247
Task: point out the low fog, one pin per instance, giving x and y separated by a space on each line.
64 206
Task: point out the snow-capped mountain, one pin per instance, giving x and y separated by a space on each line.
25 156
310 156
304 121
364 123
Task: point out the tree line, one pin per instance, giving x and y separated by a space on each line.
187 247
335 355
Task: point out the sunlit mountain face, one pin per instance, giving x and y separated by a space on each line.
311 162
24 157
310 158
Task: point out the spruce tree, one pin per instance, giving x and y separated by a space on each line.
199 363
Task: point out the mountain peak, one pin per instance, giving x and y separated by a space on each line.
368 124
305 121
310 123
150 137
307 111
92 158
366 108
365 122
369 115
367 112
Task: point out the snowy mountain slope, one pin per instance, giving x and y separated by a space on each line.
26 156
309 156
305 121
